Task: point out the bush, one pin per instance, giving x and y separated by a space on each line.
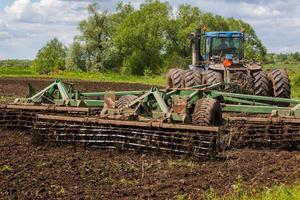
51 57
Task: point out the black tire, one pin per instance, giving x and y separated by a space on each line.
213 77
207 112
175 78
261 84
280 83
125 100
192 78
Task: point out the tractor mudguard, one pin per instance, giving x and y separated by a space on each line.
253 67
218 67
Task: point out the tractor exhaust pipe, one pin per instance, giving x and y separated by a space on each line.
196 42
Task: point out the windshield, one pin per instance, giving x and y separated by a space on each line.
226 45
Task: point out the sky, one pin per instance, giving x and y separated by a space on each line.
27 25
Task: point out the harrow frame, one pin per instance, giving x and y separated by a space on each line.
159 118
165 103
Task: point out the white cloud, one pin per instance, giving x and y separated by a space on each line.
46 11
261 11
27 25
18 9
277 22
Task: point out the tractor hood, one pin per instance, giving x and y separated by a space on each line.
253 66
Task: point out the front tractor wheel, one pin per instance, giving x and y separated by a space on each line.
175 78
207 112
280 83
213 77
192 78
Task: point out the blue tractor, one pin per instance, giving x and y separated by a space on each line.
220 58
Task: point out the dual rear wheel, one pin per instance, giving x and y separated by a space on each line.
178 78
276 83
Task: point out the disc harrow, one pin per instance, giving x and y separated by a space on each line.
169 120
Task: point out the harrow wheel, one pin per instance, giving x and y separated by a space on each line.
280 83
125 100
214 77
192 78
207 112
175 78
261 84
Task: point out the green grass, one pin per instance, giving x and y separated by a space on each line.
281 192
293 69
289 67
240 192
92 76
16 71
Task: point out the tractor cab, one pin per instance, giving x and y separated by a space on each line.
220 46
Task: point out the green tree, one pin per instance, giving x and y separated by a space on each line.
75 60
140 38
152 37
51 57
178 51
95 37
296 56
254 49
213 22
282 57
270 58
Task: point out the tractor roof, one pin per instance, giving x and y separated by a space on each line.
224 34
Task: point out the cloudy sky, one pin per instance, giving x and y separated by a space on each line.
26 25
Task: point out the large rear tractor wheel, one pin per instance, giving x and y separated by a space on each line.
213 77
207 112
175 78
280 83
261 84
125 100
192 78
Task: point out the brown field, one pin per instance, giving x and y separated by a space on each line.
69 172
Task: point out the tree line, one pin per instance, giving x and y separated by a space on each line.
140 41
287 58
15 63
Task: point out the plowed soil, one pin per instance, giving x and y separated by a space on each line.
29 171
18 87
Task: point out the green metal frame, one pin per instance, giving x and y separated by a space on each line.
161 103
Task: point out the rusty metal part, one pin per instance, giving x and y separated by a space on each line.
151 124
184 139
